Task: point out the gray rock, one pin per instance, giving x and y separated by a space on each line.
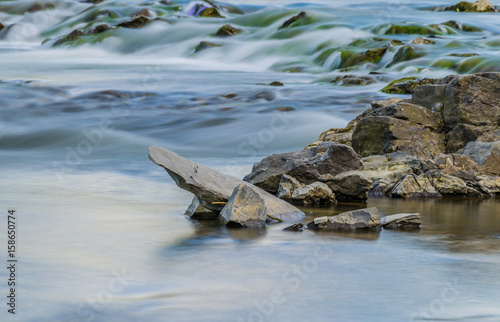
295 227
489 184
350 185
486 155
213 188
413 186
197 211
320 163
445 184
245 208
401 221
356 219
292 190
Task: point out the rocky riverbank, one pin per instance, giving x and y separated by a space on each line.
443 141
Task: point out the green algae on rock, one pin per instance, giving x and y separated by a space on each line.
227 30
352 80
292 21
412 30
205 45
406 85
406 53
373 55
137 22
423 41
210 13
461 26
478 6
74 35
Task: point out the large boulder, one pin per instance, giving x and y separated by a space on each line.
350 185
486 155
355 219
446 184
245 208
321 163
404 221
478 6
212 188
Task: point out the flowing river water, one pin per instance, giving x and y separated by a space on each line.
100 229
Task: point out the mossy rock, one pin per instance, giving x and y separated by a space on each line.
373 55
294 21
444 63
406 85
478 6
1 26
205 45
404 54
460 26
210 13
412 30
469 64
352 80
137 22
227 30
464 55
74 35
230 95
375 42
324 55
99 29
422 41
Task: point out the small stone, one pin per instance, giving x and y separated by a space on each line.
227 30
404 221
296 227
137 22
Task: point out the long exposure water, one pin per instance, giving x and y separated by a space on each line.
100 229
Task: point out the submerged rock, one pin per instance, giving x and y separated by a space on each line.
137 22
205 45
404 221
411 30
355 219
352 80
460 26
227 30
212 188
321 163
373 55
1 26
74 35
478 6
144 12
406 53
423 41
289 22
99 29
245 208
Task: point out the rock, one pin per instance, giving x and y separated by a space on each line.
295 227
355 219
226 31
489 184
386 134
413 186
460 26
321 163
486 155
99 29
41 6
453 163
384 173
137 22
478 6
205 45
422 41
411 30
213 188
406 53
197 211
144 13
245 208
350 185
210 13
386 102
290 189
373 55
74 35
1 26
404 221
275 83
445 184
352 80
406 85
289 22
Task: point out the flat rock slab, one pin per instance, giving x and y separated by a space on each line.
401 221
213 188
350 220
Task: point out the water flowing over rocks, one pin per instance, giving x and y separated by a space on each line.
213 189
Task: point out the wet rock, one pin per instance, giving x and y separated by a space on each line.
276 83
487 155
197 211
350 185
1 26
289 22
137 22
295 227
373 55
478 6
320 163
352 80
413 186
227 30
74 35
205 45
411 30
39 6
144 13
404 221
213 188
406 85
99 29
445 184
460 26
406 53
290 189
356 219
245 208
210 13
422 41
